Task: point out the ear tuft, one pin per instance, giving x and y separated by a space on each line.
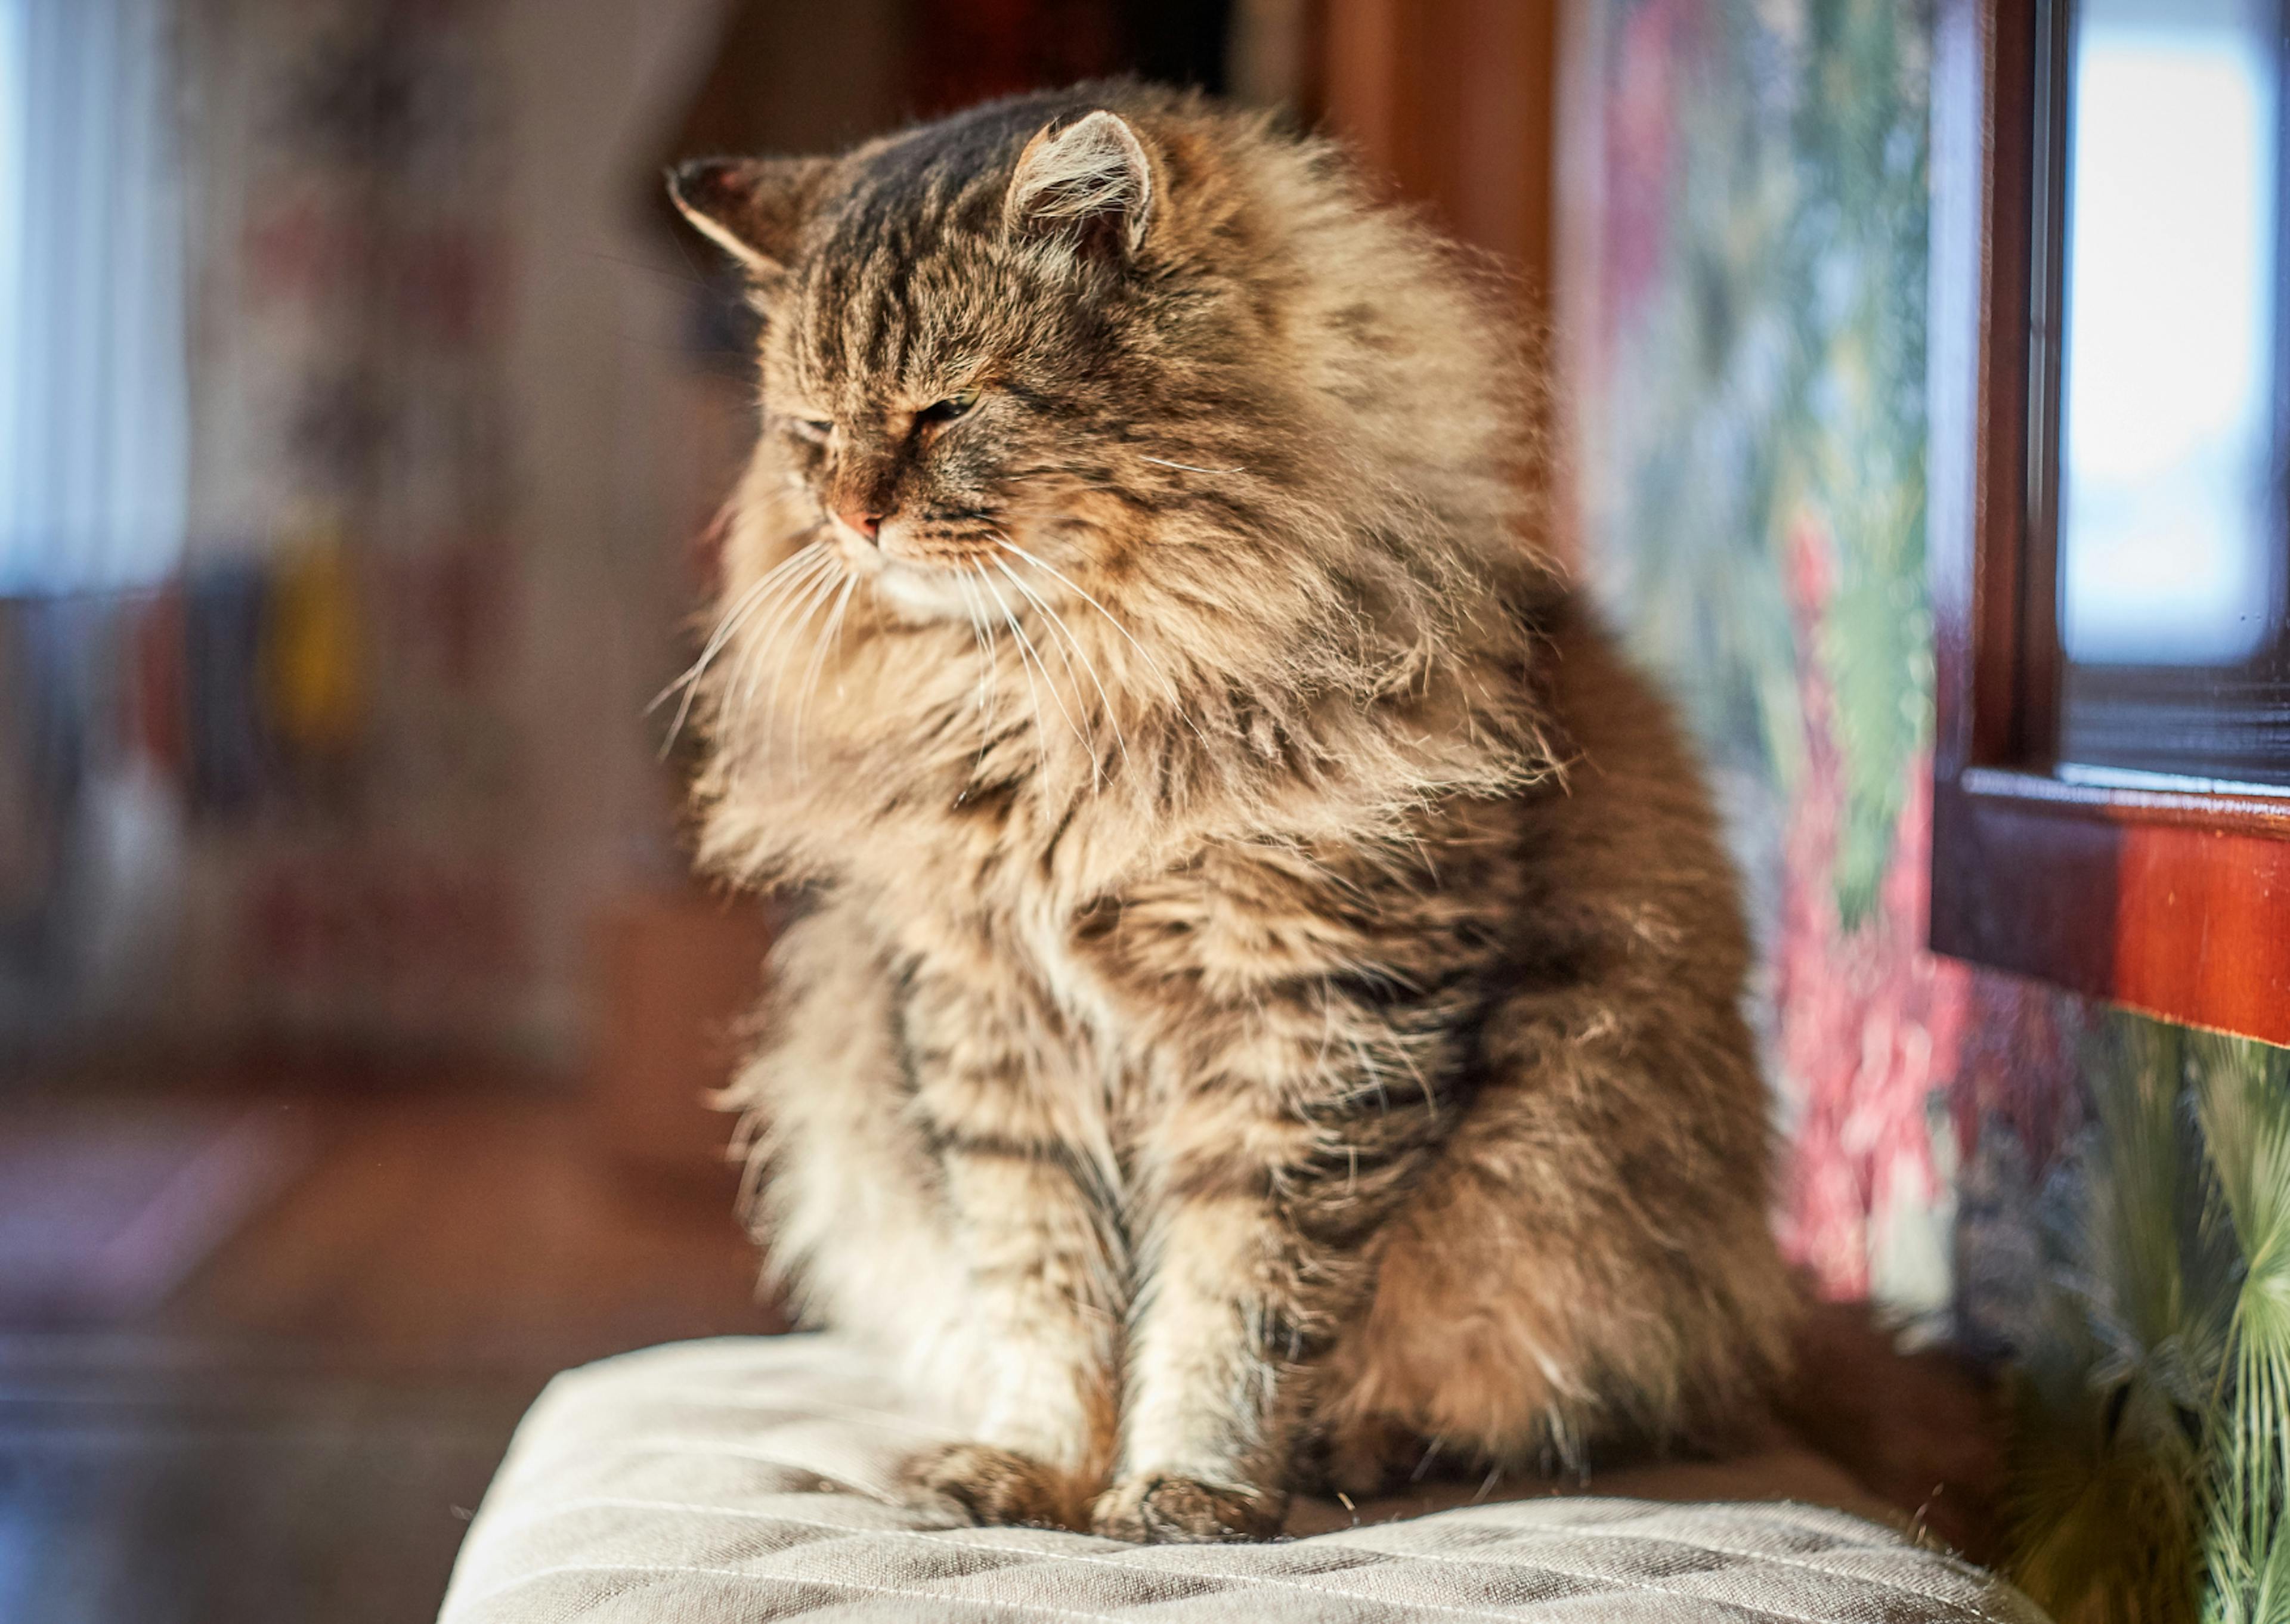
752 208
1088 181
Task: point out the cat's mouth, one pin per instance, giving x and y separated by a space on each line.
938 575
927 591
942 581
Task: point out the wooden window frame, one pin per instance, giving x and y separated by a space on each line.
2174 897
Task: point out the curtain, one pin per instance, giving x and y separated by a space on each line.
92 365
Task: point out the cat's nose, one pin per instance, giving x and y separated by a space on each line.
859 519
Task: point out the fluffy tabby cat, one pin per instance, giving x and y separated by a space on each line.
1267 992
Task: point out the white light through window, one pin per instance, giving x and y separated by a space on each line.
93 368
2167 525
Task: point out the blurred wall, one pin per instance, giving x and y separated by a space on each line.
362 770
359 773
1453 102
1744 267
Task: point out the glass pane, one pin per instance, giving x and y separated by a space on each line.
2168 522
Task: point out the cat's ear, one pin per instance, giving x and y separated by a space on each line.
1088 182
753 208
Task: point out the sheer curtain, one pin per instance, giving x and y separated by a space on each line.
91 296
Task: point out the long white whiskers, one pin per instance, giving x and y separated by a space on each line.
724 624
1188 467
826 639
990 678
1057 621
1089 746
980 630
799 587
793 567
1033 694
784 582
1175 692
806 605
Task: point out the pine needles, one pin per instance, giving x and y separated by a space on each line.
2243 1099
2151 1428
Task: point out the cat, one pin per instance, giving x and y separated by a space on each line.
1265 996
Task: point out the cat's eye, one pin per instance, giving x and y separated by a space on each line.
813 427
946 411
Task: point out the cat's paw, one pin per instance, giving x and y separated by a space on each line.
986 1485
1155 1508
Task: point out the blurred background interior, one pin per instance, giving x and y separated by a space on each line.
362 410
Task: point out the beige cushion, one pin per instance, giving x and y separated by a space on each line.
746 1480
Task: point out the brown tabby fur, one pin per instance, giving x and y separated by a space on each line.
1268 992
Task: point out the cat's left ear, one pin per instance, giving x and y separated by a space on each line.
1088 182
754 209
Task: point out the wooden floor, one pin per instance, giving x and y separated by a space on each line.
298 1433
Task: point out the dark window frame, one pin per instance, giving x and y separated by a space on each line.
2168 895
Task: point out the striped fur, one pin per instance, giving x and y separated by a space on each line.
1266 992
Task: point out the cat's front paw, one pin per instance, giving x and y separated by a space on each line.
990 1486
1157 1509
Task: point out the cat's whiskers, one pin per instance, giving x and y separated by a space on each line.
746 670
827 640
690 674
815 598
1176 695
973 609
1188 467
817 661
984 588
1081 734
792 592
988 647
1030 660
726 627
783 582
689 682
1033 692
1057 622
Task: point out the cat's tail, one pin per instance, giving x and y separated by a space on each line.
1920 1428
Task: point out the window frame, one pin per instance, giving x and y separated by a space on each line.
2168 895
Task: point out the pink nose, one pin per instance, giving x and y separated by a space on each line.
866 524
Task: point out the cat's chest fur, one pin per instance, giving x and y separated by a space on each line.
1017 941
1023 934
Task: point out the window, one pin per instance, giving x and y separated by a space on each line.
2110 393
91 296
2170 493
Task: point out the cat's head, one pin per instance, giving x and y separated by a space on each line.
1117 411
1023 330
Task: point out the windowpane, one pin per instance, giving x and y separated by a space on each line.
2171 524
93 364
2166 535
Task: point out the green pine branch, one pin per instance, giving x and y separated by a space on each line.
2150 1447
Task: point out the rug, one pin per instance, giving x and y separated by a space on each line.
105 1211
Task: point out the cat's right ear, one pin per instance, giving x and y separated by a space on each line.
1088 183
752 208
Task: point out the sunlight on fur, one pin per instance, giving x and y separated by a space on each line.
1263 1006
